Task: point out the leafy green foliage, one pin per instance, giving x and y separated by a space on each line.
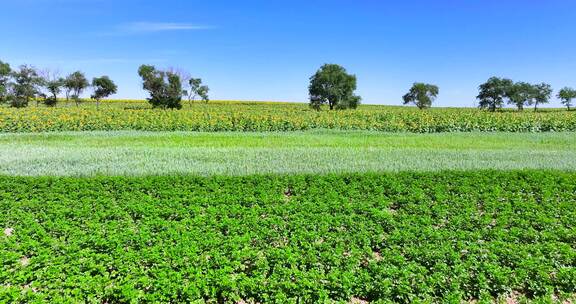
401 238
26 86
103 87
493 93
256 116
76 83
196 89
54 87
566 95
542 94
332 85
164 87
5 71
422 95
521 94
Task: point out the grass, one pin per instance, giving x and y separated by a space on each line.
320 151
447 237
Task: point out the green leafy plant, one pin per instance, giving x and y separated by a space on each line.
255 116
401 238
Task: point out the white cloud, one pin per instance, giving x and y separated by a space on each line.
151 27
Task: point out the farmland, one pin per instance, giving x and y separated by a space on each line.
245 153
404 237
251 116
242 202
298 152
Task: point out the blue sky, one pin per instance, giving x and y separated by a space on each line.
267 50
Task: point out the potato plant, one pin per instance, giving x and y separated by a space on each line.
384 238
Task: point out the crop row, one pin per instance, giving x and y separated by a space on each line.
403 238
241 117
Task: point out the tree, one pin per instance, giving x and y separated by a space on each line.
76 83
197 90
54 86
5 73
164 87
333 85
520 94
25 87
68 87
541 94
422 95
566 95
103 87
493 92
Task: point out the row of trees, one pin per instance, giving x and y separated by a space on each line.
495 92
331 85
19 87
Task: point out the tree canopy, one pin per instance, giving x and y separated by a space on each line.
103 87
542 94
520 94
26 86
4 78
76 83
493 93
332 85
422 95
164 87
566 95
196 89
54 86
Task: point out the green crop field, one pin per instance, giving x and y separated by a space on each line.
254 116
325 151
126 204
405 237
370 152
